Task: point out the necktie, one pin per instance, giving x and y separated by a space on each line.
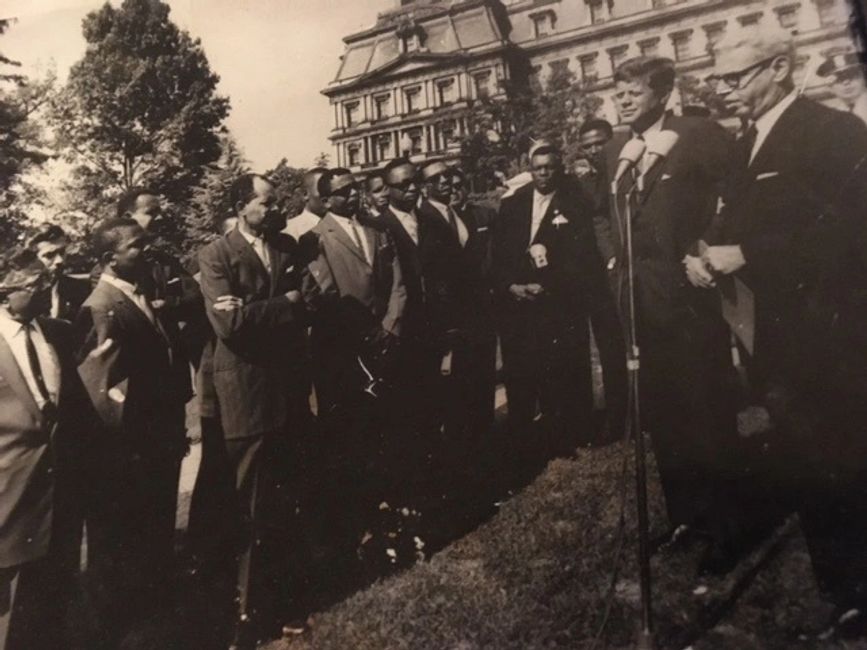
262 251
356 235
748 141
35 366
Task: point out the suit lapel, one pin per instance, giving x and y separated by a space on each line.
342 236
11 371
243 249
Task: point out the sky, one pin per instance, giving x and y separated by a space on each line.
273 58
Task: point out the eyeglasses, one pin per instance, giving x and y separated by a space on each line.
735 80
404 185
345 191
440 179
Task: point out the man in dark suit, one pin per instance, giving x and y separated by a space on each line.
456 306
687 379
138 380
251 283
65 294
42 404
793 233
548 278
418 365
171 289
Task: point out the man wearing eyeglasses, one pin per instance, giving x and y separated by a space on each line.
793 232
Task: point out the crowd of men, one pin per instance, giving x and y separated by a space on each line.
357 342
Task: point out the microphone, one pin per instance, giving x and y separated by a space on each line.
659 145
629 156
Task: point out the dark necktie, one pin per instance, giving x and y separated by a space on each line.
453 222
35 366
748 140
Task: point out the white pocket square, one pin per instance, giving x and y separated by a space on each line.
290 269
665 177
765 175
481 229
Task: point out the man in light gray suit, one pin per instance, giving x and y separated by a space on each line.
354 288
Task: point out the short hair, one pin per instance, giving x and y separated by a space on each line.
126 202
106 235
394 164
312 173
376 173
323 185
657 70
51 233
596 124
242 188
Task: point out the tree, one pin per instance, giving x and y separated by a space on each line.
210 201
139 108
289 183
321 160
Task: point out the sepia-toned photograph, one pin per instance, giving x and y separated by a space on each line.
433 325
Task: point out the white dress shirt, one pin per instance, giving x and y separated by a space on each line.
304 222
656 127
13 332
356 234
409 222
259 245
767 121
55 300
540 207
447 212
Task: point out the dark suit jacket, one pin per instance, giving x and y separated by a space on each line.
72 292
574 280
409 256
28 447
456 278
344 290
141 384
678 204
797 212
256 353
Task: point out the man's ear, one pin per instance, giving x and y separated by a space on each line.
782 68
665 97
106 259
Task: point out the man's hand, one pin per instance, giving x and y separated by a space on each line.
697 273
526 291
228 303
723 259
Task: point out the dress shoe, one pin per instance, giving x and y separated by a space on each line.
676 540
845 625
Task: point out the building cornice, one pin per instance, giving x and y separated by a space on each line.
419 14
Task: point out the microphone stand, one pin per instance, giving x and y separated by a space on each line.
646 637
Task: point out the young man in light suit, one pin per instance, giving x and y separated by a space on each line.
42 405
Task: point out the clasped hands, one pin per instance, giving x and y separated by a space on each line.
526 291
712 261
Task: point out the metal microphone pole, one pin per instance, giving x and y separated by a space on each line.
646 637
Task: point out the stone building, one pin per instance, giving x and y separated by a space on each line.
403 86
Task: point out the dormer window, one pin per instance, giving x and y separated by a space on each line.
543 23
411 36
411 43
599 11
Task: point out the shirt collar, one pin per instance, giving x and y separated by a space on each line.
538 196
342 220
10 327
653 128
404 216
250 238
442 207
118 283
767 121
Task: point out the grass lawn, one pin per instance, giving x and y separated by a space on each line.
539 575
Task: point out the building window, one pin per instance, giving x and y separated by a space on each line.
682 45
446 91
351 111
714 33
649 47
353 154
560 67
382 106
618 55
383 147
598 11
447 131
543 23
416 138
410 43
828 12
589 71
412 99
788 16
482 84
750 19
